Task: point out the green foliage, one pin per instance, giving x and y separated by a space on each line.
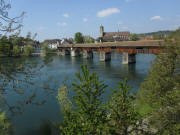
5 47
17 41
45 49
158 36
87 115
88 39
78 38
65 103
134 37
4 125
155 33
28 36
175 34
28 50
122 111
162 76
16 51
160 92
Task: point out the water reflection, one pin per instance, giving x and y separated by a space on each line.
129 69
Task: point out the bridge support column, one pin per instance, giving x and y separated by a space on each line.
128 58
105 56
64 52
75 53
87 54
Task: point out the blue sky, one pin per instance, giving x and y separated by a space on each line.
62 18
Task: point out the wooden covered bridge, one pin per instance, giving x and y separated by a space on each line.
129 49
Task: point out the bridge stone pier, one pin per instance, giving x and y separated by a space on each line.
87 54
128 58
104 56
64 52
74 52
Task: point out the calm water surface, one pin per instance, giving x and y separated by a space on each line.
63 68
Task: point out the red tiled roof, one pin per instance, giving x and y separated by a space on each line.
118 36
111 34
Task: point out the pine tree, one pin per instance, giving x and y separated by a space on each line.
122 110
87 115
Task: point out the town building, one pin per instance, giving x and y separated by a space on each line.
53 44
113 36
149 38
65 41
34 44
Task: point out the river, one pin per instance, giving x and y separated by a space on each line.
62 68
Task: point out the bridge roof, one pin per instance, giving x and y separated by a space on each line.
131 44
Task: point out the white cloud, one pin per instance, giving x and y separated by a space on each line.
108 12
85 19
156 18
66 15
63 24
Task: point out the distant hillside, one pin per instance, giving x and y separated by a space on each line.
166 32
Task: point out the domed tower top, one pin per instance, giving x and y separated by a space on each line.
101 31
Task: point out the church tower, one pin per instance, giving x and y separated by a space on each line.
101 31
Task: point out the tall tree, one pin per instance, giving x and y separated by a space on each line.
87 115
5 46
122 110
78 38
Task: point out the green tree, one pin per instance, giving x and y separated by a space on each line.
88 39
28 50
122 110
160 92
87 114
5 46
134 37
16 51
78 38
45 49
17 41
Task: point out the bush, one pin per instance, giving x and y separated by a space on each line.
134 37
28 50
5 125
45 49
16 51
